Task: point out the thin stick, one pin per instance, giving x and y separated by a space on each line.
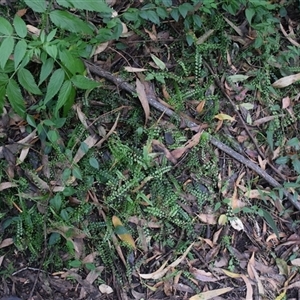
157 105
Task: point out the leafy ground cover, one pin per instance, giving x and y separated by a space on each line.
149 149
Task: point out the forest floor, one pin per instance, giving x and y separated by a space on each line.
177 178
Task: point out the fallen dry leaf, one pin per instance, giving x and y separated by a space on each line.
140 89
211 294
7 185
286 81
177 153
163 269
7 242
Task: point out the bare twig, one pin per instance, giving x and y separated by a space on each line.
157 105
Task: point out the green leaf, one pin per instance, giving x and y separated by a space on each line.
63 95
84 83
121 230
73 64
282 160
27 81
150 15
54 238
67 21
98 6
75 264
270 221
197 21
52 136
77 173
158 62
184 9
20 51
51 50
162 12
66 174
6 50
31 121
15 97
175 14
55 83
56 202
250 12
51 35
94 163
36 5
296 164
5 27
46 69
294 142
70 102
20 26
131 14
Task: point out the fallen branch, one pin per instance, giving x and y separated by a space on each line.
157 105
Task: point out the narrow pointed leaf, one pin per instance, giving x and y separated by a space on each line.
15 97
20 51
55 82
67 21
6 50
64 94
46 69
72 63
26 79
84 83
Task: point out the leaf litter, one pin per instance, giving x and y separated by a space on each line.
208 260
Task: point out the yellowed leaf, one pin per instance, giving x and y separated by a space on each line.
231 274
122 232
223 117
140 89
222 219
286 81
211 294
